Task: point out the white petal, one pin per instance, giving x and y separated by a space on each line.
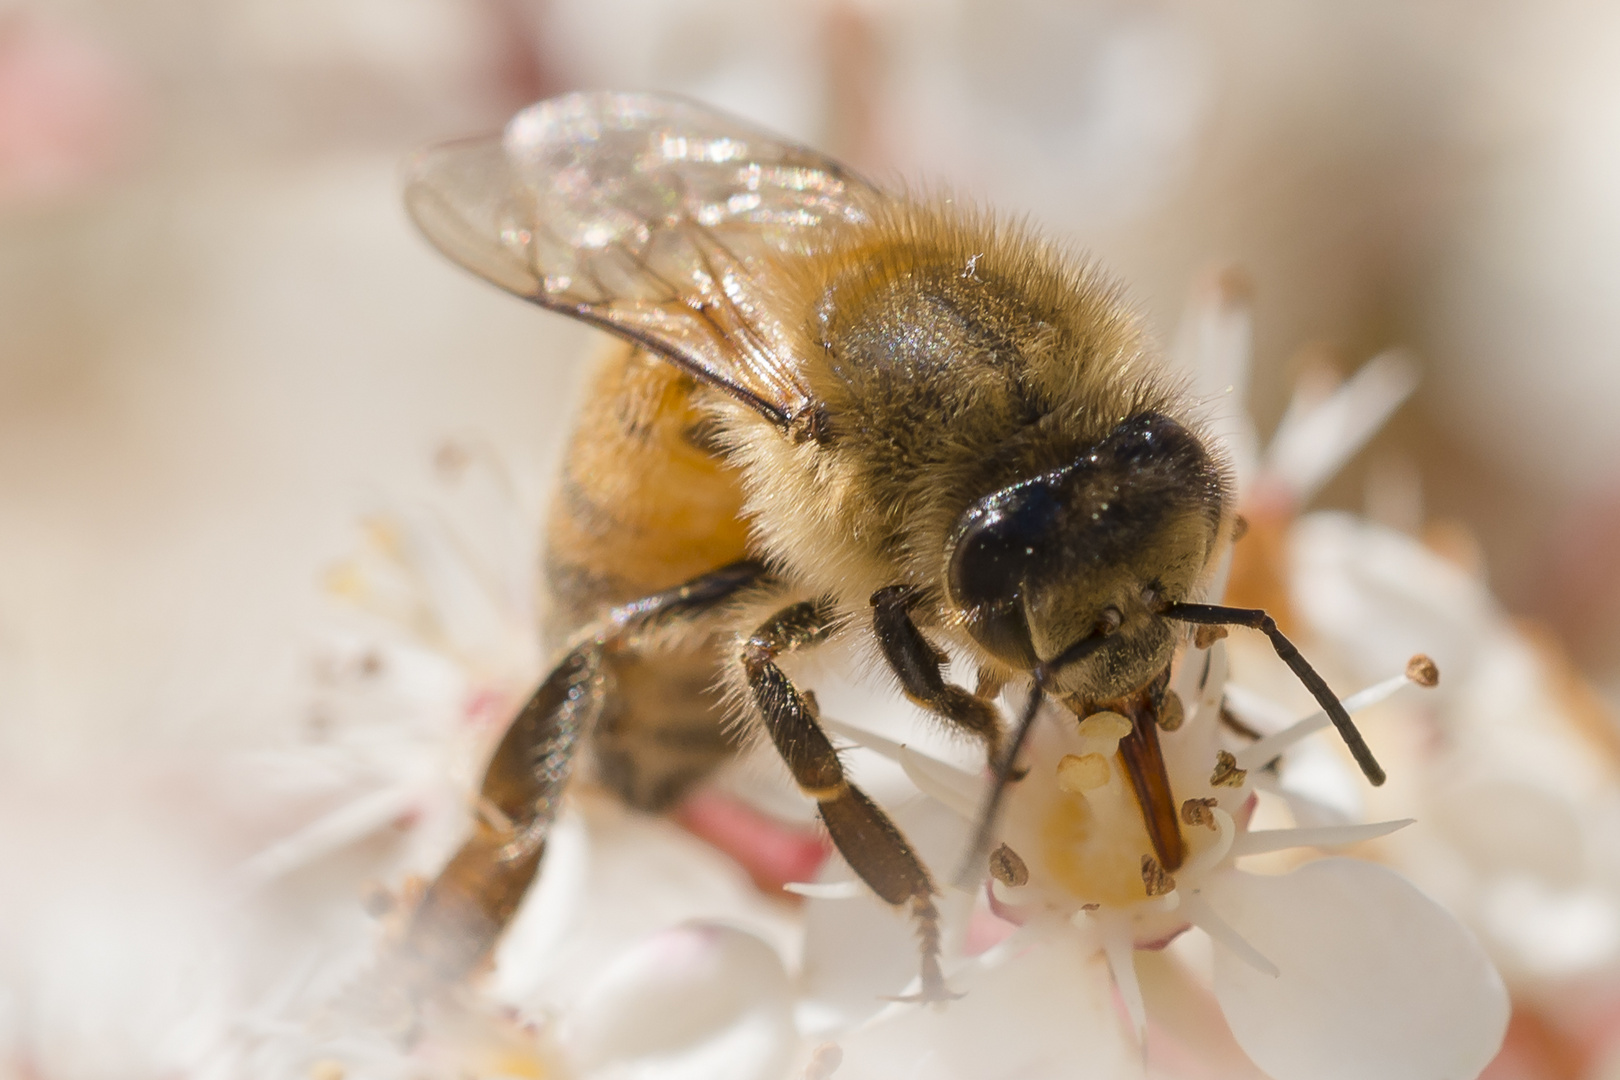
1214 345
1047 1013
1376 979
699 1002
611 877
1377 596
856 952
956 790
1320 786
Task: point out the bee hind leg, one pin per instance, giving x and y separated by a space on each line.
862 833
461 916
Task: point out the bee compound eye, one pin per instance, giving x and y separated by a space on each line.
1001 547
1001 543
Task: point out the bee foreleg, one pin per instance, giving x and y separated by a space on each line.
862 833
921 669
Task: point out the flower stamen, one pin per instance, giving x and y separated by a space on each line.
1119 945
1201 915
1265 841
1419 670
827 890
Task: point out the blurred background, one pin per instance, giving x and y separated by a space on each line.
221 342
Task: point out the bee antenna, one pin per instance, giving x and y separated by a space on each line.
1256 619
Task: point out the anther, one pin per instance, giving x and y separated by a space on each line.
1154 879
1171 712
1226 773
1007 868
1240 527
1423 671
758 651
1208 634
1199 812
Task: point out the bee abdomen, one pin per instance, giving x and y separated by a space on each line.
647 501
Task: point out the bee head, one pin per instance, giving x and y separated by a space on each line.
1087 553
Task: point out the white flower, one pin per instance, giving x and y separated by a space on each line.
1307 964
631 918
1512 769
1336 968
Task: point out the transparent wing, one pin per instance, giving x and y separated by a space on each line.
650 216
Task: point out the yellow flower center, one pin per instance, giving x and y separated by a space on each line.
1092 839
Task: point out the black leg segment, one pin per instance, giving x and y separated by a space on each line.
464 911
920 667
862 832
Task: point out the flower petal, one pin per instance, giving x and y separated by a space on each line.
701 1001
1376 978
858 951
1046 1013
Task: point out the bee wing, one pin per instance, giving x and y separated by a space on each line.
649 216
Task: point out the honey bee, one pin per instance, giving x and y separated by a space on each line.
836 411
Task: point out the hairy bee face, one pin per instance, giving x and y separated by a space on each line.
1091 548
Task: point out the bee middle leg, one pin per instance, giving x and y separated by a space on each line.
862 833
921 670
